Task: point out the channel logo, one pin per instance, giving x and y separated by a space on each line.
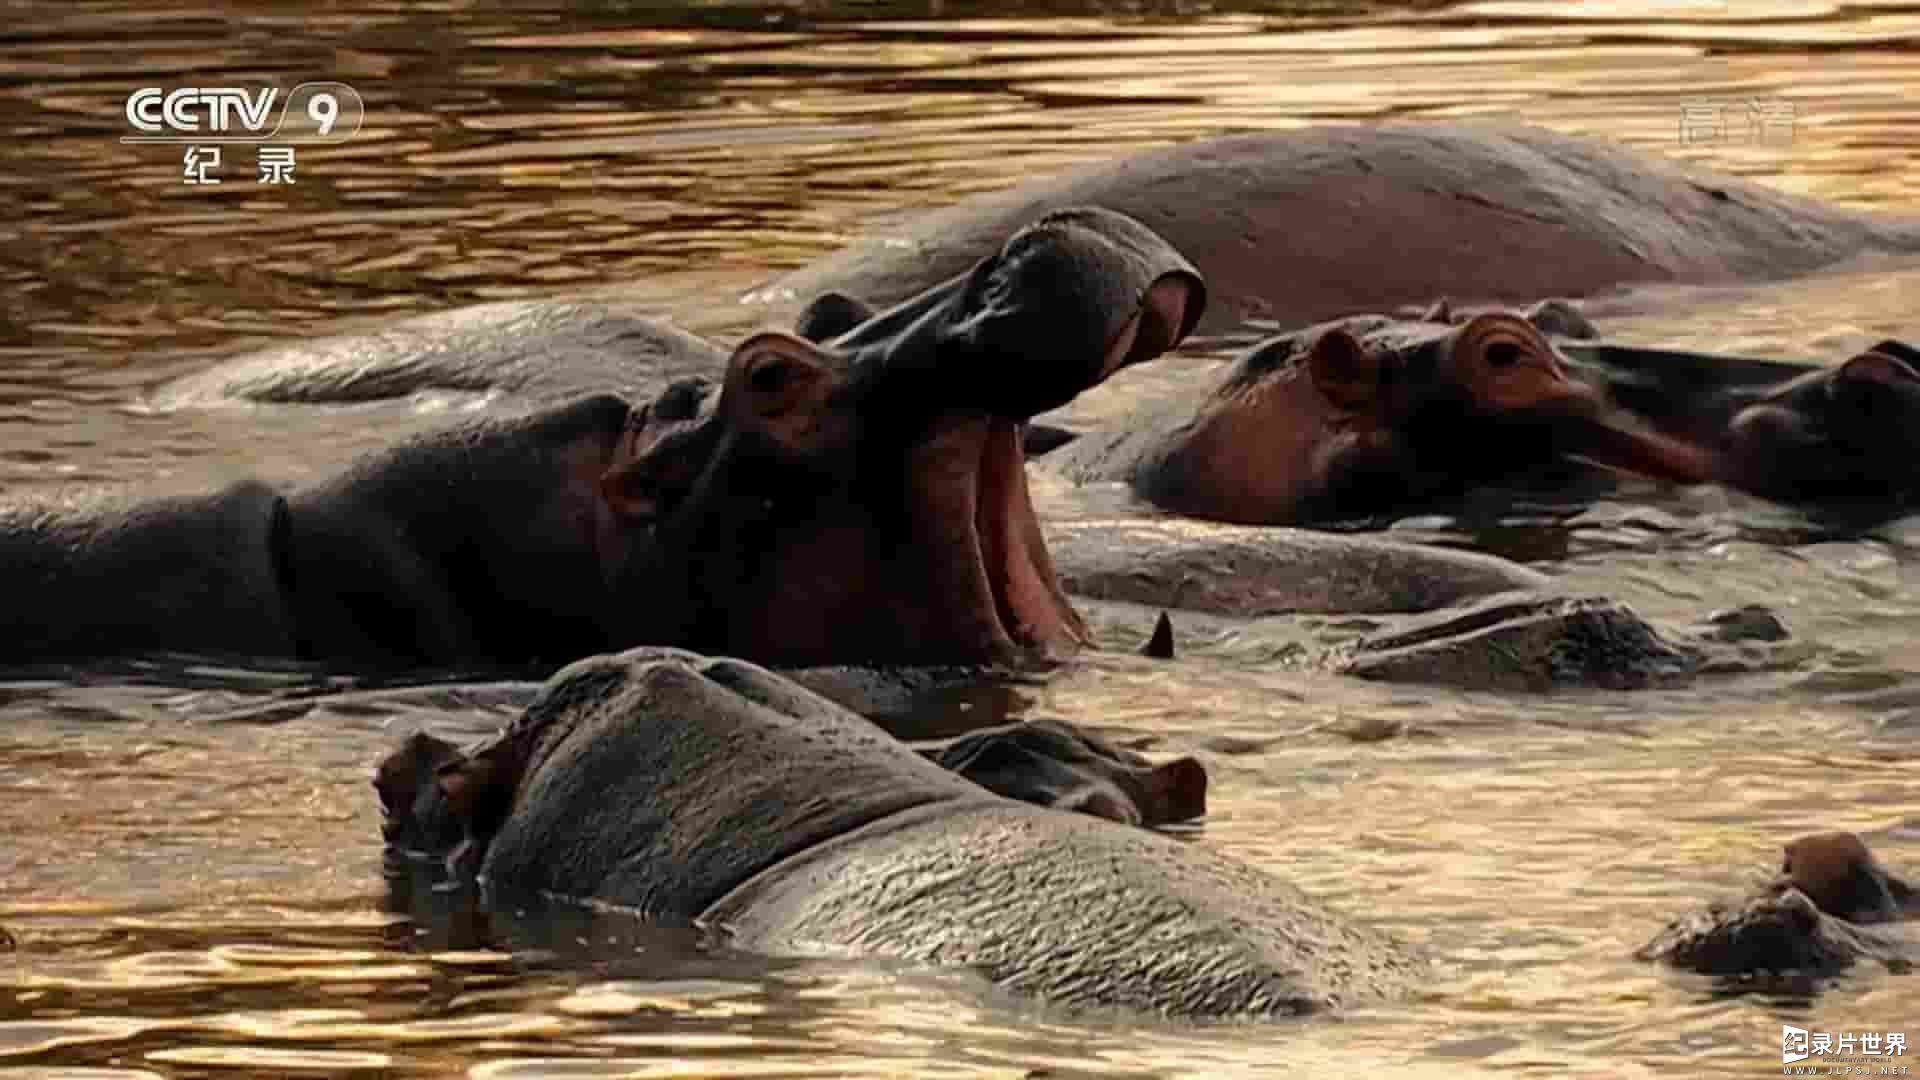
313 112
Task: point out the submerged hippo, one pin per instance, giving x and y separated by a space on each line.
1523 642
863 500
1299 227
1371 415
1290 228
1816 917
711 792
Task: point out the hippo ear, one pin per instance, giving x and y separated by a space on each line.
638 489
1179 790
1440 312
1881 367
781 385
465 781
1898 350
1344 372
402 773
830 315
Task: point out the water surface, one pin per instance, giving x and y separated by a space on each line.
191 866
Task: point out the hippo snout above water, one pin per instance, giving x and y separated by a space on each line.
1846 433
712 792
1370 415
1829 437
1818 916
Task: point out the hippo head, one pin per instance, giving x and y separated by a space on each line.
864 497
1811 919
1368 414
1050 763
1840 875
1846 433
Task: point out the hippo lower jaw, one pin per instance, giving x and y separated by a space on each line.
1614 445
1009 606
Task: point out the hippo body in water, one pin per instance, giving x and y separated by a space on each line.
1823 913
711 792
1288 435
1370 415
1290 228
1299 227
862 501
535 351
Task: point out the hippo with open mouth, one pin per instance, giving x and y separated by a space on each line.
711 792
862 500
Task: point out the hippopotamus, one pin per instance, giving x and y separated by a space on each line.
540 352
1533 642
713 793
1370 415
1815 917
1299 227
858 500
1829 437
1843 436
1053 763
1291 228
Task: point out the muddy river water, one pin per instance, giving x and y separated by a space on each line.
189 857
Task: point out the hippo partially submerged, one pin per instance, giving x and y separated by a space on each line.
1302 226
538 351
1817 917
1290 228
1369 415
1376 415
863 500
1844 436
711 792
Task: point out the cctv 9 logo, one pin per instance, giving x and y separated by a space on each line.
315 112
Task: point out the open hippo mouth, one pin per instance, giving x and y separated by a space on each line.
1005 600
1511 372
864 499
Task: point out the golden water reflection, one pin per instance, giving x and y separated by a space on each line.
201 897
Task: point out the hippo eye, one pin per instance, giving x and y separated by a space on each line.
1504 354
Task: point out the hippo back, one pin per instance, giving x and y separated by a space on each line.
542 351
1294 227
1075 910
689 789
667 779
192 573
